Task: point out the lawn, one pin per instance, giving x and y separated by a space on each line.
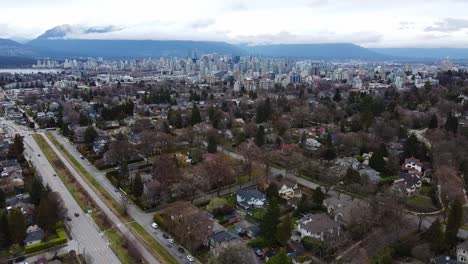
80 195
153 245
420 203
116 244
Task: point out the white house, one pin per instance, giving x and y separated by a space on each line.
462 252
319 226
250 198
288 192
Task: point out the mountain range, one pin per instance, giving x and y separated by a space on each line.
65 42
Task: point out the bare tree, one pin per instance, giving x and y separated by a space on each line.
165 170
218 170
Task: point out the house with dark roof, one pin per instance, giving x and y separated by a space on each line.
250 198
222 240
445 260
100 143
34 237
319 226
408 184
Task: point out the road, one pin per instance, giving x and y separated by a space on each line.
83 230
141 217
117 223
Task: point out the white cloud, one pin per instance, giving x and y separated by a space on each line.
366 22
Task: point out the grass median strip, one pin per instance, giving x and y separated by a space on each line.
82 198
153 246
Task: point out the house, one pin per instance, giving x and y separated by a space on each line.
18 201
462 252
250 198
243 226
319 226
253 231
100 143
288 192
219 241
408 184
311 144
445 260
413 166
34 237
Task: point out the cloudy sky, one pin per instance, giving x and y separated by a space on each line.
370 23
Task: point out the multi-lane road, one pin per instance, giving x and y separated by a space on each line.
141 217
85 234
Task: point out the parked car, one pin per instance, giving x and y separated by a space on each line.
154 225
77 214
181 249
165 235
69 219
171 240
190 258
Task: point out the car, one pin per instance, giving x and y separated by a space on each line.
165 235
154 225
181 249
190 258
116 190
38 155
18 259
81 157
77 214
55 175
171 240
69 219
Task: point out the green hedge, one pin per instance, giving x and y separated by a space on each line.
158 220
61 239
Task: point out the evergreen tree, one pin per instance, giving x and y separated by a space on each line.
90 135
337 95
329 152
377 162
454 223
137 186
17 225
283 233
451 124
272 191
16 149
124 172
2 199
434 123
5 237
196 116
212 144
45 217
434 236
318 196
280 258
269 222
260 136
37 190
304 205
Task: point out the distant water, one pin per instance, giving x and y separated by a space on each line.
29 71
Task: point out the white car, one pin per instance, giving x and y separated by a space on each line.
190 258
171 240
154 225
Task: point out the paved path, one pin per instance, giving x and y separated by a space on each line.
83 229
141 217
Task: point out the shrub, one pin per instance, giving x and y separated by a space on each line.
313 244
157 218
61 239
258 242
303 258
